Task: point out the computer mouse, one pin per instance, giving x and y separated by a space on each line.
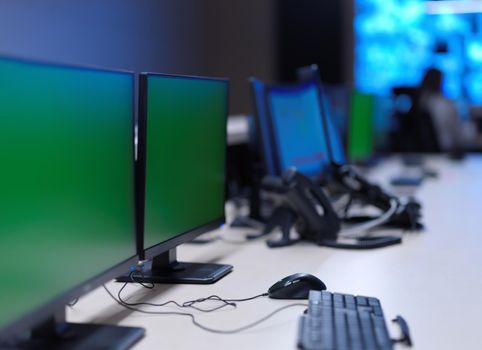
295 286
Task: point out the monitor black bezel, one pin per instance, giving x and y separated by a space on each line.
263 137
273 136
42 313
164 246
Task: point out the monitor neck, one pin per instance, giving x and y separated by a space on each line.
166 261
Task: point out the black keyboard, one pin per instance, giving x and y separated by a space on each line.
335 321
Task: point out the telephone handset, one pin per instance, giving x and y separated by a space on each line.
304 206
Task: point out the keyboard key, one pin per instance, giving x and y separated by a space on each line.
315 297
361 301
327 302
326 295
341 335
381 333
338 298
315 303
377 310
349 299
354 330
367 330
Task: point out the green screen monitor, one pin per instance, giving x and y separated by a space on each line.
67 196
181 162
360 133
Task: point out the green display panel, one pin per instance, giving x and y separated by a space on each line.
185 155
361 137
66 180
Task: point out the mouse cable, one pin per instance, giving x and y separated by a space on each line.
189 303
196 323
72 302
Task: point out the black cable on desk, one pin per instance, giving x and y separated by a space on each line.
189 303
73 302
196 323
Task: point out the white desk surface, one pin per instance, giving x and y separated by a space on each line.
433 279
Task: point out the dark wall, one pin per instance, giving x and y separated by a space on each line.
314 31
242 44
199 37
135 35
234 39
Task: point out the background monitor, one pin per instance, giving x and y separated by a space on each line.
338 100
181 167
67 194
297 128
337 150
332 118
397 41
360 133
383 121
263 126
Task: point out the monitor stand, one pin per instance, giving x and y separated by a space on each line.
165 268
254 218
57 334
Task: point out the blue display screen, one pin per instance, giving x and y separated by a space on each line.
336 146
298 128
398 40
258 88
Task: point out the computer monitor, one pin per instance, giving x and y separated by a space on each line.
338 98
383 111
291 121
181 172
263 127
360 133
67 198
337 151
331 131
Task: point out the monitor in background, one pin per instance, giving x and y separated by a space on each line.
443 34
294 127
181 172
67 199
336 151
368 116
383 109
360 133
263 126
338 98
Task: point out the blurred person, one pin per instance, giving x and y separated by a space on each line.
442 112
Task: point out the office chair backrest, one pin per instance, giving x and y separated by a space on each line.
416 131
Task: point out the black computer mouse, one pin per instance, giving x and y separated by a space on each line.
295 286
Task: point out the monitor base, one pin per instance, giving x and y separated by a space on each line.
62 336
165 268
246 222
410 181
